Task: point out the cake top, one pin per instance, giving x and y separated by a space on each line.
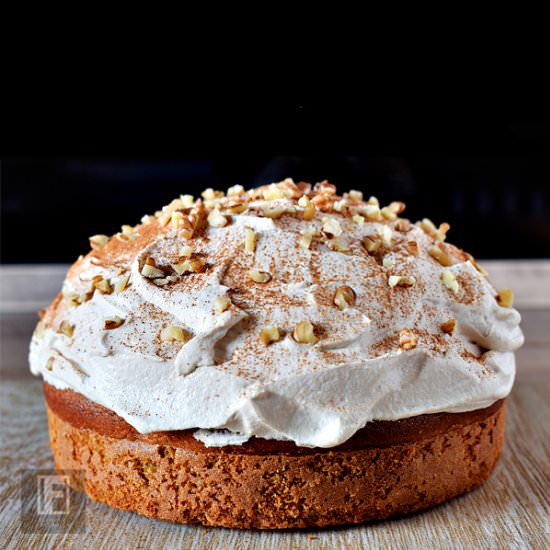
287 311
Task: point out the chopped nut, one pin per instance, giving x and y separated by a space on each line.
448 327
388 214
356 196
102 285
307 236
98 241
250 237
66 328
388 263
308 206
74 299
338 246
397 206
164 218
331 228
339 206
273 212
216 219
344 297
222 304
259 276
272 192
429 228
269 335
151 272
178 219
371 211
407 339
323 202
128 231
385 233
186 252
358 219
49 363
303 333
161 282
372 245
325 188
449 280
192 265
401 280
402 225
412 248
210 195
291 190
438 252
235 191
187 201
505 297
172 333
115 322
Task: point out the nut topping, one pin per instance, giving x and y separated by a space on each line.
193 265
122 284
307 236
151 272
216 219
98 241
308 206
250 237
385 233
505 297
356 196
222 303
172 333
401 280
259 276
270 334
303 333
66 328
372 245
448 327
407 339
235 191
273 212
412 248
331 228
438 252
449 280
344 297
115 322
102 285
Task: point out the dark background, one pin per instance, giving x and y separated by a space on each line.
487 179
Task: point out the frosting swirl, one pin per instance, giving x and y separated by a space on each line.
164 323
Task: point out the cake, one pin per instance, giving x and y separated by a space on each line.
276 358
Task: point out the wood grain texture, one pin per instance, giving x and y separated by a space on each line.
511 510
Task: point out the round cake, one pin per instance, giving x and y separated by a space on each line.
276 358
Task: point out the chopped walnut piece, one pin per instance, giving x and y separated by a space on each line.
344 297
412 248
250 237
372 245
448 327
185 251
192 265
151 272
222 303
66 328
385 233
371 212
388 214
236 207
102 285
273 212
259 276
449 280
49 363
356 196
374 201
337 245
236 190
358 219
307 236
291 190
331 228
438 252
98 241
303 333
115 322
164 218
325 188
74 299
340 206
161 282
401 280
270 334
210 195
402 225
505 297
429 228
173 333
308 206
388 263
407 339
397 207
273 192
122 284
187 201
216 219
178 219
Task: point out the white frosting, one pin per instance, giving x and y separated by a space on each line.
319 395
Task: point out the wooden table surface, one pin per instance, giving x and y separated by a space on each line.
512 510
